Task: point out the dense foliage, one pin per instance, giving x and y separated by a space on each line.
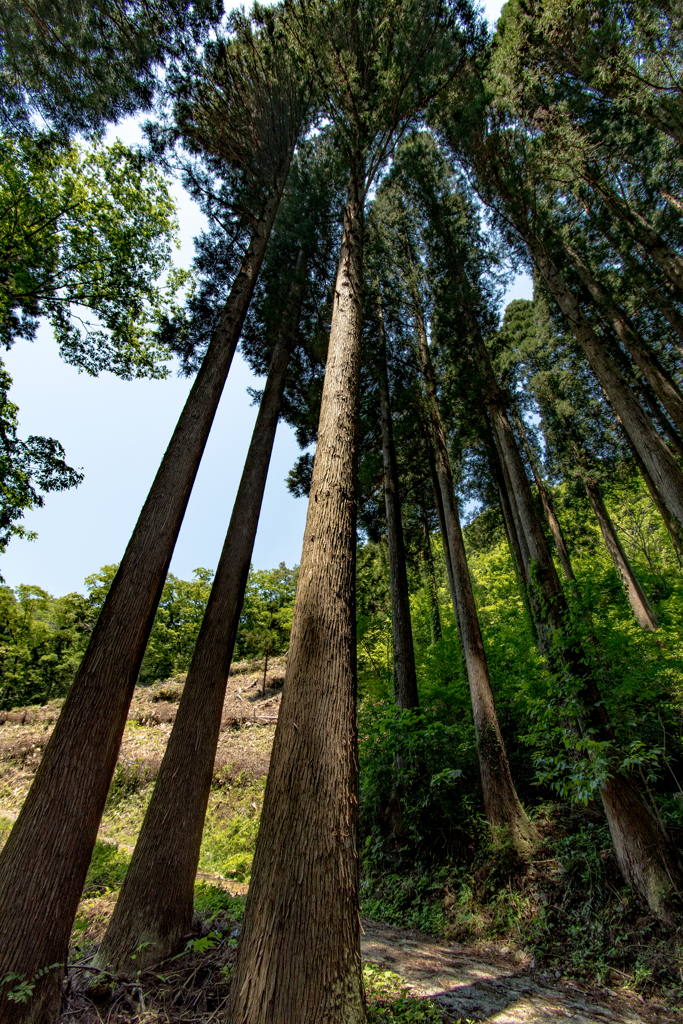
42 638
641 675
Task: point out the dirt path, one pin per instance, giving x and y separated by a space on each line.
498 990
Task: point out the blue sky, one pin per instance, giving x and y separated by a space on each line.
117 431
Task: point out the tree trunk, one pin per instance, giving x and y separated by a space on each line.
660 462
438 501
644 852
647 858
549 611
405 676
430 579
511 523
658 300
45 860
669 312
501 803
661 383
645 617
549 607
548 510
518 529
299 954
658 416
155 906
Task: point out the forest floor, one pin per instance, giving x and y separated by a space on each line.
497 987
409 976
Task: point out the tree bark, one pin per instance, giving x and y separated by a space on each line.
438 501
548 603
661 383
555 528
155 906
650 404
405 676
660 462
645 617
45 860
502 805
299 954
647 858
549 607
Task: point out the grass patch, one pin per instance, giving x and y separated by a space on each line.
5 829
228 849
132 776
231 827
211 900
389 1000
107 869
122 819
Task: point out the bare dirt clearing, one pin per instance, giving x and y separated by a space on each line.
25 731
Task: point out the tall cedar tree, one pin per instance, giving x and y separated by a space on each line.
393 441
622 57
154 908
548 510
504 164
578 438
251 98
405 675
501 803
594 144
642 610
581 439
510 181
548 131
400 212
299 957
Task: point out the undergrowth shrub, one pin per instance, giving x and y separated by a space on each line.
418 788
212 899
407 900
170 690
389 1000
228 847
590 924
107 870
